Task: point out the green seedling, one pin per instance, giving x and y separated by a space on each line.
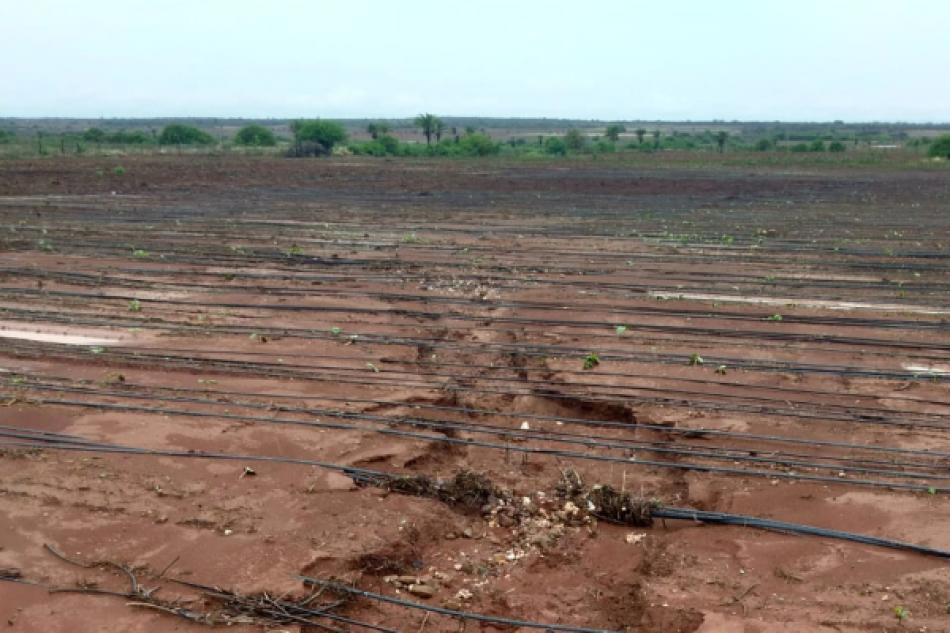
721 370
620 329
774 317
695 360
96 350
335 331
294 250
119 171
135 305
372 368
139 253
901 613
591 361
931 490
410 238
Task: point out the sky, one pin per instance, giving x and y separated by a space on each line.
792 60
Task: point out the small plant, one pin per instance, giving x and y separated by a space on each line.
373 368
45 245
135 305
620 329
774 317
294 250
721 370
119 170
931 490
901 613
139 253
695 360
591 361
410 238
335 331
96 350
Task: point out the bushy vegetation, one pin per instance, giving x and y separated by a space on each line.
473 144
255 136
326 133
178 134
555 146
6 137
95 135
614 131
940 147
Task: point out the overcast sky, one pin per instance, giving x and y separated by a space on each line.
623 59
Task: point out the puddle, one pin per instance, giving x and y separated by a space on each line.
64 339
804 303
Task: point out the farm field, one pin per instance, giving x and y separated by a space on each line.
426 378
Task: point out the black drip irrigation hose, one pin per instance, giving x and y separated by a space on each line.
59 441
58 382
385 377
452 613
516 448
586 440
722 518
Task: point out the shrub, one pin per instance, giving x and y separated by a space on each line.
255 136
574 140
478 144
817 146
128 138
836 146
799 147
556 146
178 134
326 133
6 137
605 147
763 145
614 131
940 147
94 135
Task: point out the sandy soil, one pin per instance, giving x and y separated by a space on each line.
425 317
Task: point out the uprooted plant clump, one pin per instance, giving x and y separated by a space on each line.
605 502
469 490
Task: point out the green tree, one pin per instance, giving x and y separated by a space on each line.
428 123
375 130
255 136
94 135
574 140
326 133
763 145
554 145
836 146
640 132
614 131
721 140
940 147
656 138
817 146
178 134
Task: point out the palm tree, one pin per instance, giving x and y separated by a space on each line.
640 132
439 128
429 123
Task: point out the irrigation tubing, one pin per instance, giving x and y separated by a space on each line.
65 442
588 441
512 448
452 613
722 518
